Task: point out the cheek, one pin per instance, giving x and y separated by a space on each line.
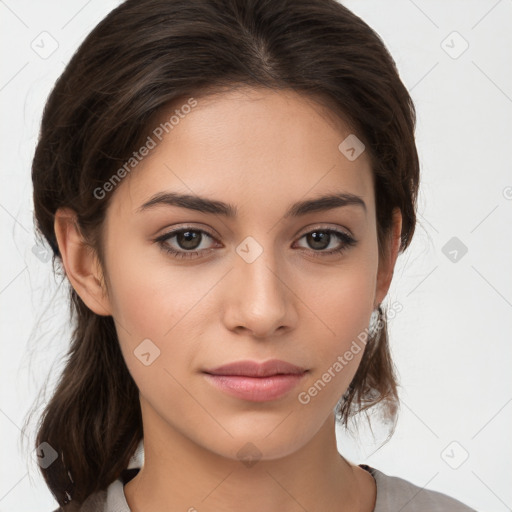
152 298
342 310
343 302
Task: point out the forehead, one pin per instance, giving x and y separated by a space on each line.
255 146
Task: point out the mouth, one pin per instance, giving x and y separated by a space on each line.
256 382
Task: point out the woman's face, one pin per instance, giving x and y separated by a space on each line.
255 274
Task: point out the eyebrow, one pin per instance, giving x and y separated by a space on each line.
205 205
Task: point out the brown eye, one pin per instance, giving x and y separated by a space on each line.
185 242
320 239
188 240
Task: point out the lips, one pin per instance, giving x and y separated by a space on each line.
255 369
256 382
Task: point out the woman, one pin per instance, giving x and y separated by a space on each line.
227 185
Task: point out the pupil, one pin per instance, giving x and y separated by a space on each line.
319 239
189 239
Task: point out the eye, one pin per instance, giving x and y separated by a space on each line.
321 239
187 240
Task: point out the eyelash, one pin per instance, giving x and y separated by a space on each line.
347 240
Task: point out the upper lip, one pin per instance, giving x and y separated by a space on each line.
257 369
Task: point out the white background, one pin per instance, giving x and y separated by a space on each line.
452 342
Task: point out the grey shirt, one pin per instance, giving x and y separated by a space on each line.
394 494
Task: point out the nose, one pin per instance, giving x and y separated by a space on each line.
259 298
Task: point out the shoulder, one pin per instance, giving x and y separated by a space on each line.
111 499
94 503
395 493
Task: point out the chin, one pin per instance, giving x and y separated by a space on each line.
270 440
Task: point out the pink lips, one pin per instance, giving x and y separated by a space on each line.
256 382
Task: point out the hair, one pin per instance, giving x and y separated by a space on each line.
142 57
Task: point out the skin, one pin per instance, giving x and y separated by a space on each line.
260 150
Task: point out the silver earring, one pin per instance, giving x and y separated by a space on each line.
375 324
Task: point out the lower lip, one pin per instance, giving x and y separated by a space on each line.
255 389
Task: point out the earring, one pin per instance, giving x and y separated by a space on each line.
375 323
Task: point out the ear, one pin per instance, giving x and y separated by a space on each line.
387 264
81 263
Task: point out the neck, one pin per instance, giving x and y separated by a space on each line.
178 474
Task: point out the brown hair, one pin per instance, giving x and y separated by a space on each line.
143 56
